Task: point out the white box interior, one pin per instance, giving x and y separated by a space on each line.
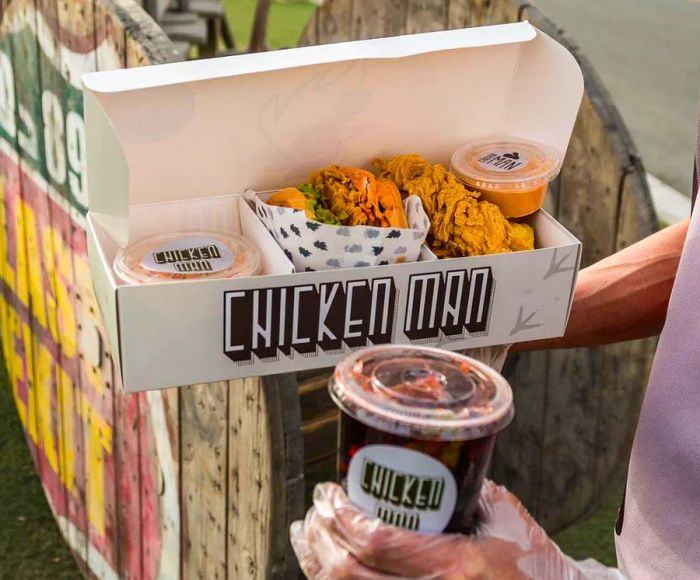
171 147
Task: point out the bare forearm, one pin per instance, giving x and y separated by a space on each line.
624 296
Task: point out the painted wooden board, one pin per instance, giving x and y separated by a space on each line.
86 436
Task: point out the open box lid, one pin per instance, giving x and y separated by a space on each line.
214 127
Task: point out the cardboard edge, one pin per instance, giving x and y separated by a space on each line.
105 288
125 80
274 260
107 171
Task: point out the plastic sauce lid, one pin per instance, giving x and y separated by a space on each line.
187 256
506 164
422 393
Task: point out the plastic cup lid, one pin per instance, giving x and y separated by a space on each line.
509 164
192 255
423 393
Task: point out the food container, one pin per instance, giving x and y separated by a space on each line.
187 256
416 434
313 246
512 173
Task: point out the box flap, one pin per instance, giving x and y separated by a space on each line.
262 121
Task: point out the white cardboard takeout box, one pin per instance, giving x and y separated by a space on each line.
172 147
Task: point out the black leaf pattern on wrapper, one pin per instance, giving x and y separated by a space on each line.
353 249
313 226
384 263
304 252
321 245
295 230
309 269
376 250
289 255
284 233
333 263
394 234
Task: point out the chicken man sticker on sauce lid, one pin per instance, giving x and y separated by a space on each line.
511 173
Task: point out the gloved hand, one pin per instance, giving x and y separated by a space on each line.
336 541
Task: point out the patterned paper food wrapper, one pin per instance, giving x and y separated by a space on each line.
312 246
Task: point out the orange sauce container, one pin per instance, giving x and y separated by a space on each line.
196 255
511 173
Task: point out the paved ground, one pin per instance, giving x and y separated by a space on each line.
648 55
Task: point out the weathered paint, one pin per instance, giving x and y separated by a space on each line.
93 468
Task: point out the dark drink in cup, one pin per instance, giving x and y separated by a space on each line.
416 434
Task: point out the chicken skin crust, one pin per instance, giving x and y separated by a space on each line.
461 225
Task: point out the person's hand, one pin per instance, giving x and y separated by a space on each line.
337 541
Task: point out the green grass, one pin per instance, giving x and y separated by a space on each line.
30 544
286 23
594 537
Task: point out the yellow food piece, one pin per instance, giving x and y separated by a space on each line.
292 198
357 198
461 225
390 200
522 237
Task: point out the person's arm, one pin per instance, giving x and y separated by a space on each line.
624 296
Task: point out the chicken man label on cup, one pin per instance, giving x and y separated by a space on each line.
402 487
416 433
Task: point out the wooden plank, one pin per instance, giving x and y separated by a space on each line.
477 11
323 469
518 457
60 136
204 438
96 399
51 414
458 14
128 475
335 22
160 484
257 534
574 378
314 399
33 209
111 35
626 366
373 19
505 11
426 15
15 277
320 436
284 416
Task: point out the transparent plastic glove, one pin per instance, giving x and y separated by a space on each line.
337 541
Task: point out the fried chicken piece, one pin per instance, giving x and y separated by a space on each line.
522 237
461 225
360 196
293 198
390 201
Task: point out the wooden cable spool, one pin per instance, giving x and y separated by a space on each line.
195 482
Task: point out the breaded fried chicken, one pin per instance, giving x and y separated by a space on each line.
461 225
